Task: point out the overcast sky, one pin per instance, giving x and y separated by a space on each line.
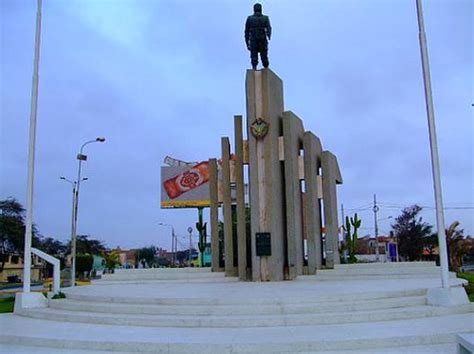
159 78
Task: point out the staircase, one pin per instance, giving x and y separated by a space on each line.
196 311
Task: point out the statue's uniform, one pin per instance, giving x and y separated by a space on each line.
257 29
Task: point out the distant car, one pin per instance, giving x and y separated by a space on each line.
13 279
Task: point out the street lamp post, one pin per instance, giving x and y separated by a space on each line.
190 230
81 157
173 247
376 227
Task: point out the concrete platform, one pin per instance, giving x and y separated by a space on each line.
149 311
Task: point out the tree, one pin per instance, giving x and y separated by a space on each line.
163 262
111 260
52 247
411 232
84 263
457 245
90 246
12 229
146 256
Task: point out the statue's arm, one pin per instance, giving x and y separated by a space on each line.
247 32
268 28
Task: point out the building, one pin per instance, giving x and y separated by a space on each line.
127 258
12 269
366 248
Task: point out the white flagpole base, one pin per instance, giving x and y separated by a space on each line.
29 300
447 296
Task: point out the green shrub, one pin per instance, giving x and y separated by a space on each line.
7 304
59 295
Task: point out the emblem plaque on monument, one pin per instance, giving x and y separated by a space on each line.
259 128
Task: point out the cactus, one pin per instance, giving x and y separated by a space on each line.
201 227
355 222
348 229
347 239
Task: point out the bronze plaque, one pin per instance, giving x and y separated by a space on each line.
264 244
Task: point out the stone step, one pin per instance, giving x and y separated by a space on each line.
181 299
150 280
164 270
388 271
18 330
245 321
449 348
336 277
158 274
239 309
386 265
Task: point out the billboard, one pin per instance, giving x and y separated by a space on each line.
185 186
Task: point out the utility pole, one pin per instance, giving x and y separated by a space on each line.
376 227
343 221
443 255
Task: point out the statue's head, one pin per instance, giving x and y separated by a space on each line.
257 8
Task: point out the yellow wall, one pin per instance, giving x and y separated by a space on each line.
17 269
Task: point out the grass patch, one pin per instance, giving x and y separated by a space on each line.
470 286
6 304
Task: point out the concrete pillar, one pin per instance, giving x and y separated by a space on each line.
331 175
214 204
240 198
312 162
264 94
230 270
292 141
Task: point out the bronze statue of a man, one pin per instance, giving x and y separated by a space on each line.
257 30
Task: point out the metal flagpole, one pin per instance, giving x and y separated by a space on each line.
31 156
434 149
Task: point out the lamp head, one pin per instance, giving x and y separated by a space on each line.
100 139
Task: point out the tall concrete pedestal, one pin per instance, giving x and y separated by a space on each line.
265 100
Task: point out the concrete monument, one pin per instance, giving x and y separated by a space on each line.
293 223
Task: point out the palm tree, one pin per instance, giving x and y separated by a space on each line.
457 247
111 259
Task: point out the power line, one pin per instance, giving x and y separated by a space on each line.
362 207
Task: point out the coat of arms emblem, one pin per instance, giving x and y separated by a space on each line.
259 128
